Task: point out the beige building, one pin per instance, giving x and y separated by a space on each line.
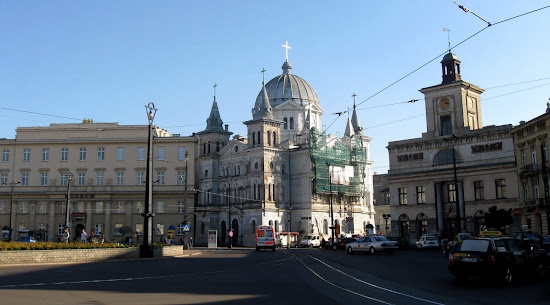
532 166
107 163
457 166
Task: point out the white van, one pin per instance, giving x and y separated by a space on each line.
265 238
311 241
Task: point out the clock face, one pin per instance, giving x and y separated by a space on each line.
444 103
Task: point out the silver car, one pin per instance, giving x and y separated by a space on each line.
372 244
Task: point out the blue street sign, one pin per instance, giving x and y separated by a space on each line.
186 228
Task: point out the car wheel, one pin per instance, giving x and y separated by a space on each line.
372 250
508 276
349 250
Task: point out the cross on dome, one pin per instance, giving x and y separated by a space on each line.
286 46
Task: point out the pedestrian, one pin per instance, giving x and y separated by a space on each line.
83 236
323 243
190 243
66 235
101 238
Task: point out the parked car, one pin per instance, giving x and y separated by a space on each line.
501 258
449 245
531 238
427 241
311 241
26 239
543 249
401 241
372 244
342 242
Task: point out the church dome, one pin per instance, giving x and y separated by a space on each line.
288 86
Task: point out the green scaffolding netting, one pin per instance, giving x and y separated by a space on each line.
325 152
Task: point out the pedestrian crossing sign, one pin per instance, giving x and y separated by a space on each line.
186 228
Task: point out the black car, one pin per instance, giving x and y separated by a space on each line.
544 249
500 258
342 242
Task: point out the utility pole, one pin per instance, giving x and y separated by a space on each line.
186 208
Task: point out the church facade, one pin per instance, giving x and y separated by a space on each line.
286 172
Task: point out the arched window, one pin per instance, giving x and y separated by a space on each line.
259 138
325 226
208 146
276 226
253 226
445 156
271 222
204 148
274 138
268 137
253 138
255 192
217 146
285 125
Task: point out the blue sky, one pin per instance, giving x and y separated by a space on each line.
62 61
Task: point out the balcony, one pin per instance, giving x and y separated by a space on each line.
530 170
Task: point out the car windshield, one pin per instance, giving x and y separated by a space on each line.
431 238
474 245
504 245
307 237
380 238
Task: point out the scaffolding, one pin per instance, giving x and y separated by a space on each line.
328 151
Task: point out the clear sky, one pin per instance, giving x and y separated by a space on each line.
63 61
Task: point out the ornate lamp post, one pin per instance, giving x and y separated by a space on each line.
12 186
146 249
185 208
386 217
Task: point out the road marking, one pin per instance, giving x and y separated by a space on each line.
373 285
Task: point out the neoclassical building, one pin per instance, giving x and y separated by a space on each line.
286 172
456 166
107 163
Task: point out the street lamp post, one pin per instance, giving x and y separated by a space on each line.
332 227
67 212
146 249
386 217
458 225
12 186
185 208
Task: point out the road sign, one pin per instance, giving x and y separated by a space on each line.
186 228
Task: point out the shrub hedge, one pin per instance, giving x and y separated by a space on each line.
13 245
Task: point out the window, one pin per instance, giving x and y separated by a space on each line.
180 207
181 177
81 179
118 227
525 191
160 229
23 207
534 156
160 207
120 154
285 125
479 190
140 208
139 228
181 151
2 207
161 153
446 126
42 208
4 178
99 178
60 229
26 155
82 154
500 188
61 207
544 152
291 123
63 179
99 207
45 154
25 179
268 139
5 155
98 228
451 192
44 179
64 154
402 195
101 154
523 161
536 188
445 156
160 177
420 195
120 178
140 177
141 153
119 207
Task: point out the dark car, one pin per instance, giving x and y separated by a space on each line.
543 249
446 247
401 241
26 239
500 258
342 242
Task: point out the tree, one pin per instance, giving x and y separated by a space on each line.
498 218
124 230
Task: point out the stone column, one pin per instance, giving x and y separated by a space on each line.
52 228
107 230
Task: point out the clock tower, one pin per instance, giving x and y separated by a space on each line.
454 105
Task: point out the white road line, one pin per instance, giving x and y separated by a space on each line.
373 285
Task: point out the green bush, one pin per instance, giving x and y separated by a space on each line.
13 245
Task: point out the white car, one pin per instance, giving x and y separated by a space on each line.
372 244
427 241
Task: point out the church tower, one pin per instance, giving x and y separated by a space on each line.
454 105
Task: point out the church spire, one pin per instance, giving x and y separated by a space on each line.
358 129
214 121
349 129
262 109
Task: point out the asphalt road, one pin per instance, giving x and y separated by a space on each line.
244 276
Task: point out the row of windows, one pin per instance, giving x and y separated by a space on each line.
533 152
83 152
80 178
99 207
479 192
